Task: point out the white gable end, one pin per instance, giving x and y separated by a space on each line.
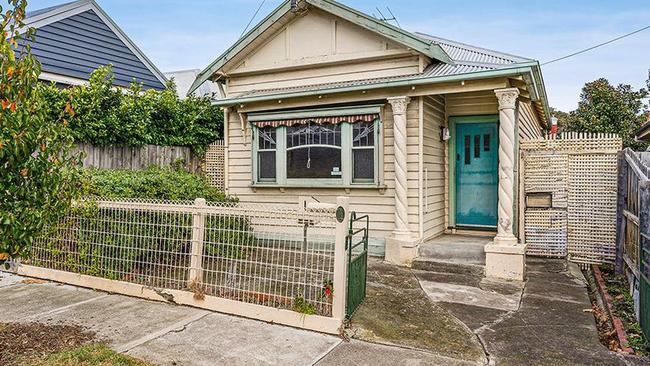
317 37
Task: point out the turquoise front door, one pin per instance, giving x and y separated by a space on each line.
477 179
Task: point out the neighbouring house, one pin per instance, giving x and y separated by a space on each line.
420 132
184 80
74 39
643 133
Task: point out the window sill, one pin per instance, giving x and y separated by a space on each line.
282 187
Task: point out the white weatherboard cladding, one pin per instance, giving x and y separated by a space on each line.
378 203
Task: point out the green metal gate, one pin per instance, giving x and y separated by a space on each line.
357 251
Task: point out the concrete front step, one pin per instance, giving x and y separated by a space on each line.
462 249
433 265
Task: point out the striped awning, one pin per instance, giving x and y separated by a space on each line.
332 120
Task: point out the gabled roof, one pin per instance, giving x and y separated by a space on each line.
398 35
73 39
465 62
468 61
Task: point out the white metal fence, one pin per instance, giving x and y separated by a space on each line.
285 264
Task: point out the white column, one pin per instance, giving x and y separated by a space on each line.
507 104
503 257
402 246
399 105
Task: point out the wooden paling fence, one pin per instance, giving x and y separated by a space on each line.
137 158
633 229
569 196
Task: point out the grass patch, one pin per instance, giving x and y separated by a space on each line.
618 288
91 355
38 344
21 342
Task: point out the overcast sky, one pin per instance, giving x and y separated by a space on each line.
189 34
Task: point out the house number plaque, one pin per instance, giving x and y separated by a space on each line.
340 214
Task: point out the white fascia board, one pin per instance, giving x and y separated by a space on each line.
62 79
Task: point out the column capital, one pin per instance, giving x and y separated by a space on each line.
399 104
507 97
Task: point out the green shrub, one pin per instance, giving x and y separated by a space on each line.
106 115
133 244
151 183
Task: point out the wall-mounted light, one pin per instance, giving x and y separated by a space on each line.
444 134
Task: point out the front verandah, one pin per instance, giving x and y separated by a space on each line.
505 258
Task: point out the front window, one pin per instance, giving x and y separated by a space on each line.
311 154
363 152
314 151
266 152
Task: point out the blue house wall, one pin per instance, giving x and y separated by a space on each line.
79 44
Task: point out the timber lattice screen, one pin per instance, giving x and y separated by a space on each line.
214 164
578 172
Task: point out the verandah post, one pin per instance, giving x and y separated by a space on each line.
340 258
198 233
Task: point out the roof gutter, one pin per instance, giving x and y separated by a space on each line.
524 68
541 90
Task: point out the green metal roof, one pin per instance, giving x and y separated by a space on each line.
398 35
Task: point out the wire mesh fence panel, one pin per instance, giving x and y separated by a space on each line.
143 246
280 258
275 256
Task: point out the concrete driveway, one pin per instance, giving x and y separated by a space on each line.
166 334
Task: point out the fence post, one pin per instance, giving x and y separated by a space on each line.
340 258
620 206
198 232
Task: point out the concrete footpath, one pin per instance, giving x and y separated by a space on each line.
410 317
165 334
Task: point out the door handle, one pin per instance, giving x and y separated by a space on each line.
457 157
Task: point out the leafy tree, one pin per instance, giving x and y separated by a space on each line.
604 108
37 174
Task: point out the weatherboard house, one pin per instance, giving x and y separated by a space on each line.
420 132
74 39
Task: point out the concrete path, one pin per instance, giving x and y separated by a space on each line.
541 322
410 317
165 334
161 333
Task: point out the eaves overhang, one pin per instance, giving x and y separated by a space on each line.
520 69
